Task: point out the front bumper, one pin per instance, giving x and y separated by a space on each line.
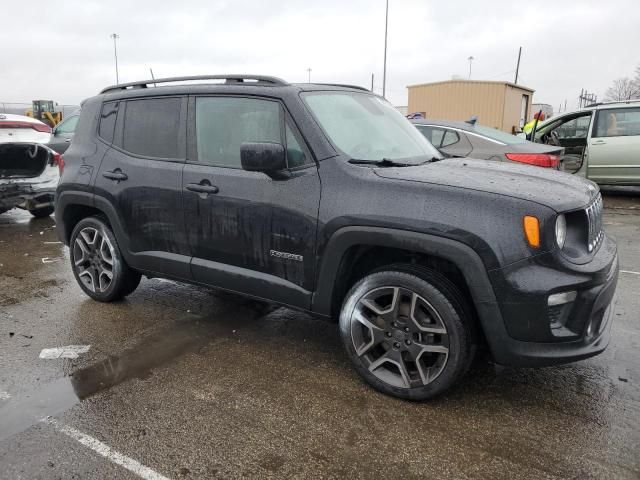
536 334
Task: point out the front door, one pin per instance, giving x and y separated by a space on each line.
140 182
63 134
614 147
249 231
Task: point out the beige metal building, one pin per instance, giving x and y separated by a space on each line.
502 105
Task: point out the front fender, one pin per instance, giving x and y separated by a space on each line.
463 256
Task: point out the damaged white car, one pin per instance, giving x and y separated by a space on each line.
29 170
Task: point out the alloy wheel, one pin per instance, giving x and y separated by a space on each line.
93 259
400 337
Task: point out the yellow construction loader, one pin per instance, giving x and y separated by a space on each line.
44 110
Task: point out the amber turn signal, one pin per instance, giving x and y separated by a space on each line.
532 230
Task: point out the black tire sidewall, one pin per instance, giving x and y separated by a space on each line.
120 270
458 333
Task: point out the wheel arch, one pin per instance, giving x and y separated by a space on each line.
350 248
71 207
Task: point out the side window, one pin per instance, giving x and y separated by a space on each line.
296 156
434 135
152 127
108 121
575 128
69 125
223 124
619 122
450 138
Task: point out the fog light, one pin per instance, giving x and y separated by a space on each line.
561 298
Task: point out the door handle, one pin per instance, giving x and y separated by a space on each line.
117 175
202 188
598 142
68 140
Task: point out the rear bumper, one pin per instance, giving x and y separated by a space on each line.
536 334
29 193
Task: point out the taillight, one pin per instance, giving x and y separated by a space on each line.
539 159
40 127
58 160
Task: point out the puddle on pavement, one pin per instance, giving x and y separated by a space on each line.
20 413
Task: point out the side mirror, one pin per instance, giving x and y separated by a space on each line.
262 157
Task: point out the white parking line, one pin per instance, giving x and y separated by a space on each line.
630 272
70 351
106 451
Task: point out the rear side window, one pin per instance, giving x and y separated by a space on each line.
152 127
618 122
450 137
434 135
223 124
108 121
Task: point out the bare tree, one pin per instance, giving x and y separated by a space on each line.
623 89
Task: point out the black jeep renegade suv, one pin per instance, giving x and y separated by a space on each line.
325 199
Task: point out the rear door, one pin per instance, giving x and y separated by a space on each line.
614 146
140 181
249 231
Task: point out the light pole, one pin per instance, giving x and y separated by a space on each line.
471 59
309 73
115 36
384 70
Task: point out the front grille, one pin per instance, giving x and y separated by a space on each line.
594 221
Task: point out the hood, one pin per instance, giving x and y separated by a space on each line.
557 190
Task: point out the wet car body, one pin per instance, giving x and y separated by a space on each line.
301 236
28 168
467 139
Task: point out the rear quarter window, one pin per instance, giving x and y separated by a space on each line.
108 116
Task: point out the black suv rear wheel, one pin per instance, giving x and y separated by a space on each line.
406 331
97 262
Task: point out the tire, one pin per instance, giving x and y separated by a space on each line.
407 331
41 212
97 262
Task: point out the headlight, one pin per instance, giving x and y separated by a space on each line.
561 230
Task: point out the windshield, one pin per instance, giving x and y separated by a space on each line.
497 135
366 127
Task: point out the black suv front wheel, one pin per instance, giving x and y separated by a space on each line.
406 331
97 262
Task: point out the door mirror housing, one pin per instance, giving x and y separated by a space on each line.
263 157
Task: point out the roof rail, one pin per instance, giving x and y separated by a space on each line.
229 79
345 85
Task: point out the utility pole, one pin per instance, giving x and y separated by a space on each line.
384 71
372 82
115 36
471 59
309 73
518 65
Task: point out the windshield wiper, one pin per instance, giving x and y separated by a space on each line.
385 162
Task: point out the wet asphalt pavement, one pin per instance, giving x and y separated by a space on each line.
189 383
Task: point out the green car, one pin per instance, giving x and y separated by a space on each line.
601 142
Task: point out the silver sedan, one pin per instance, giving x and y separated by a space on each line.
467 139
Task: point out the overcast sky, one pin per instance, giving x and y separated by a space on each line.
61 50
